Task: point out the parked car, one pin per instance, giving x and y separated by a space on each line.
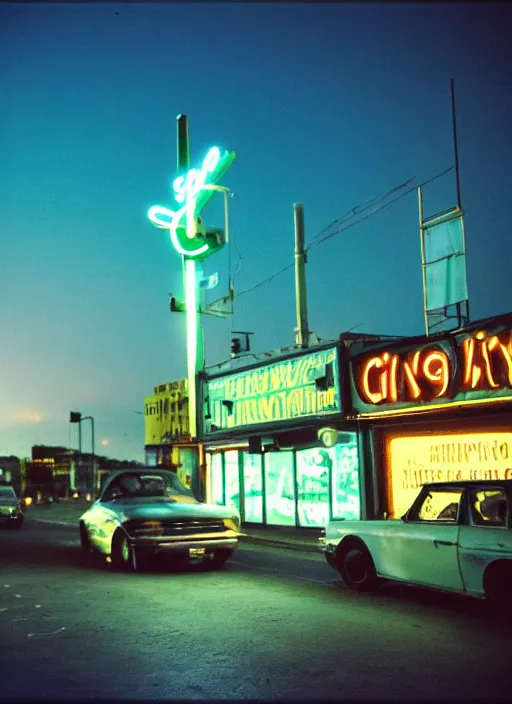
143 512
11 507
455 537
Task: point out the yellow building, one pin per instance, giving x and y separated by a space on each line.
166 414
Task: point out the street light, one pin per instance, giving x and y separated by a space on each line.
75 417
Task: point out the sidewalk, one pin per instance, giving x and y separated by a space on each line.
302 539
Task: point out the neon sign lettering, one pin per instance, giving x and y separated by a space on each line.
479 363
192 191
281 391
390 377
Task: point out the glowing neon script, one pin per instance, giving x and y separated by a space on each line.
193 191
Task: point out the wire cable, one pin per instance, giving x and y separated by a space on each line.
351 213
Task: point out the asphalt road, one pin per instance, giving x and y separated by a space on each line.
274 624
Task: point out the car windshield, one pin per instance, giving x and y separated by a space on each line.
150 484
7 492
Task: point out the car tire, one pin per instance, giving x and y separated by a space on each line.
497 585
218 560
85 540
357 569
123 557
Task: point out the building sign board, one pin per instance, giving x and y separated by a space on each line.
412 461
299 387
456 368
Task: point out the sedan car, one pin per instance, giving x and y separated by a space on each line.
143 512
11 507
456 537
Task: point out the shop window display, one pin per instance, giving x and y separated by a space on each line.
253 488
232 478
314 468
216 478
346 497
279 488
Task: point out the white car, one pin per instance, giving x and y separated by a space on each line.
456 537
143 512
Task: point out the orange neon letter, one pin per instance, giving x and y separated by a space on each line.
436 367
472 371
372 396
506 351
410 375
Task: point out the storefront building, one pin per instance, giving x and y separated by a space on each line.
167 438
276 445
435 408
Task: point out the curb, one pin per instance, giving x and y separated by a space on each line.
282 544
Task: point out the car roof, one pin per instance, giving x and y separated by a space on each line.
138 470
470 483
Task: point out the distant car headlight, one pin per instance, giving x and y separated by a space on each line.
27 500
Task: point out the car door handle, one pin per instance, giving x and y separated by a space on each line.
443 542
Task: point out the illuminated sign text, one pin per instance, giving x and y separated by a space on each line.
480 362
418 460
192 191
304 386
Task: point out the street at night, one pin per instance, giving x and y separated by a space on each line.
275 623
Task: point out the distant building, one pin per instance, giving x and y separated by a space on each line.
10 472
167 436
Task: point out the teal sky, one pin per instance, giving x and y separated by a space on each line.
326 104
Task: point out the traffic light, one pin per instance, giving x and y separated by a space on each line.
75 417
176 306
236 346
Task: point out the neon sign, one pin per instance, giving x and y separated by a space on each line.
192 192
415 460
469 365
282 391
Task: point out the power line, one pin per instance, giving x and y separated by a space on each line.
351 214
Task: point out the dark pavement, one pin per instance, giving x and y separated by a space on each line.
274 624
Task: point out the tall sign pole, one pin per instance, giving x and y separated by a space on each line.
192 189
301 300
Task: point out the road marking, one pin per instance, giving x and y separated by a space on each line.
277 571
56 523
51 633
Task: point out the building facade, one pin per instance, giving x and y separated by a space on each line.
435 408
276 445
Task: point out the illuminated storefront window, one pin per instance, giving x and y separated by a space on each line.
232 478
217 481
279 489
313 471
253 488
346 497
415 460
301 488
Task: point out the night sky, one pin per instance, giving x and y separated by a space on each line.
330 105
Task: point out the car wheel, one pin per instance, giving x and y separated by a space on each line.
85 540
218 560
123 556
497 585
356 568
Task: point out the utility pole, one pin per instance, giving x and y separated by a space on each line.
192 271
302 330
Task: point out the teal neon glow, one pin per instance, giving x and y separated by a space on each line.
192 191
192 326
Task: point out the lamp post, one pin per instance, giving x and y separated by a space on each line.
75 417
